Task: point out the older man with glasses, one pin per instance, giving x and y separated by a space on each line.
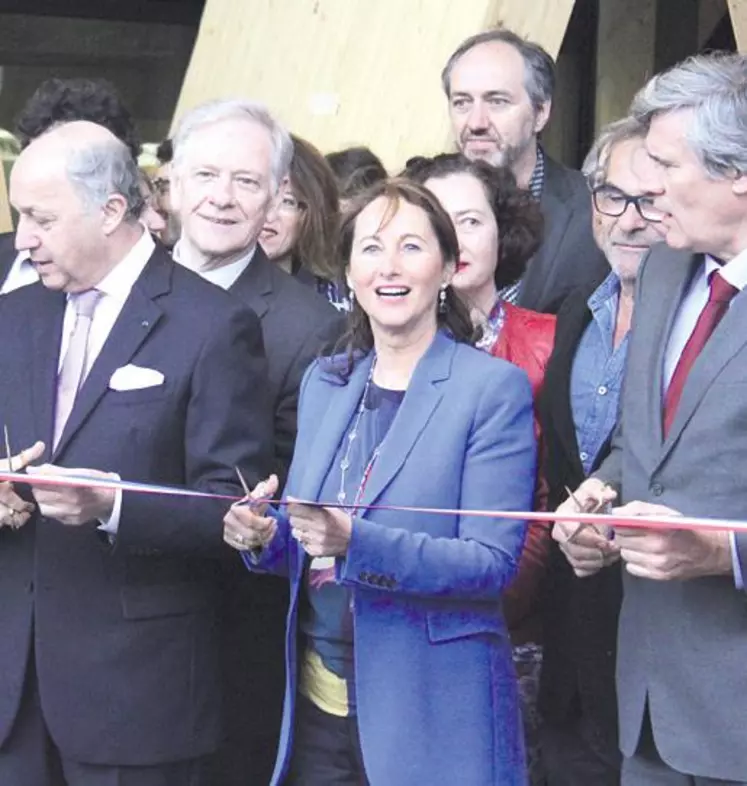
579 411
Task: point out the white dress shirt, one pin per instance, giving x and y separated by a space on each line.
696 297
223 277
21 274
116 288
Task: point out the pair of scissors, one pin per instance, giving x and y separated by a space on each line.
596 507
250 500
8 453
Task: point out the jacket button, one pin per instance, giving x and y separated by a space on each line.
363 576
657 489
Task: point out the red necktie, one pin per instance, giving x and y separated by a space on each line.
718 304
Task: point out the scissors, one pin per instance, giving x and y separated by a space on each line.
596 507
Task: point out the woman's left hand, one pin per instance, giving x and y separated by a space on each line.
323 532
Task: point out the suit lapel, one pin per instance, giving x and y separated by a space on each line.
342 402
46 336
138 318
557 215
669 283
558 377
419 404
254 285
729 337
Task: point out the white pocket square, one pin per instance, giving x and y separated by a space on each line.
132 377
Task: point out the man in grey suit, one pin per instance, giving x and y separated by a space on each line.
500 90
681 445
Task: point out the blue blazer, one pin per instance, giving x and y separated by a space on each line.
435 684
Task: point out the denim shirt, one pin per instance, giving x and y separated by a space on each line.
597 374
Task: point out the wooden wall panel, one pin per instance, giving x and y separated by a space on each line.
625 55
738 11
342 72
6 219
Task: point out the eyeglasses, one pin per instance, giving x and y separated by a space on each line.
612 202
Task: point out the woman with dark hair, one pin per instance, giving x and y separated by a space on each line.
356 169
300 234
499 227
399 665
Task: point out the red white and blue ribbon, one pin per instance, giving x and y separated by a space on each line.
611 519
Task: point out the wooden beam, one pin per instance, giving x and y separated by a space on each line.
625 55
6 220
343 72
738 11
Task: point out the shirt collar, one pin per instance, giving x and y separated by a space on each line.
537 180
224 276
118 282
734 271
606 291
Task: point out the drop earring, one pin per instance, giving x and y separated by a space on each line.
442 300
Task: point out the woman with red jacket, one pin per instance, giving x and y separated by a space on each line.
499 227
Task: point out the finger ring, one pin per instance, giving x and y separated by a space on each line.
239 539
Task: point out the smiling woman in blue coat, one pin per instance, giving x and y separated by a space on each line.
398 660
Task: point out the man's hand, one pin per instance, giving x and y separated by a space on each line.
70 504
664 555
14 511
323 532
587 548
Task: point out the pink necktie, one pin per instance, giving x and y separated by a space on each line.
719 298
73 370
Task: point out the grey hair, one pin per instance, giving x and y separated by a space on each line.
237 109
714 88
596 163
103 169
539 67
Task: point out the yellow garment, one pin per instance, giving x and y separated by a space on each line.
328 691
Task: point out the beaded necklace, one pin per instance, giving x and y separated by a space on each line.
345 463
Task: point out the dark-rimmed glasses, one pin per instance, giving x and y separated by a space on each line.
613 202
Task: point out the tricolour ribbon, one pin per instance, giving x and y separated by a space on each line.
608 519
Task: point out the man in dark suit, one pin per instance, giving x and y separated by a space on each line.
578 409
120 362
230 157
500 90
681 445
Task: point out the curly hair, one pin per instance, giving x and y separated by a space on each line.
315 188
59 101
517 213
356 168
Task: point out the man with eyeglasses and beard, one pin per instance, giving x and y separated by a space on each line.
500 90
578 408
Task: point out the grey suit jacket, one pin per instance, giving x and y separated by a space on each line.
683 644
568 257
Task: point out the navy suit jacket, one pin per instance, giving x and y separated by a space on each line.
568 257
435 685
123 636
